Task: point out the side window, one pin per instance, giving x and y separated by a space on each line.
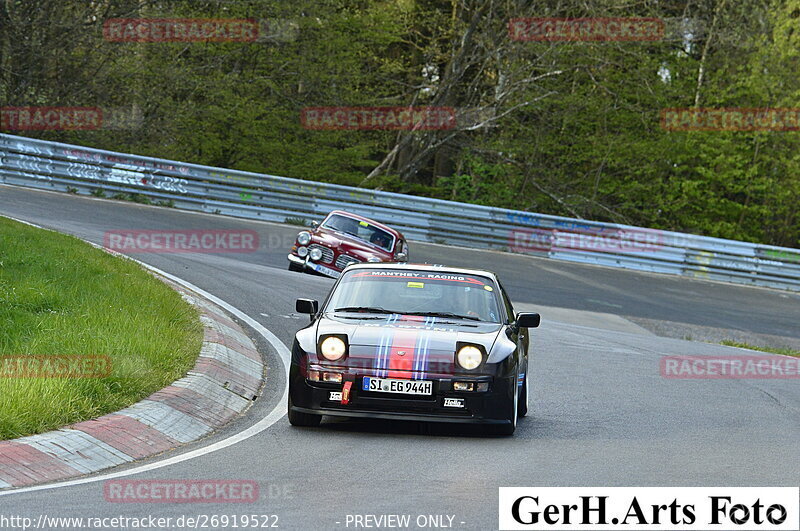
509 308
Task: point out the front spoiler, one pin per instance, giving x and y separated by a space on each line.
388 415
489 407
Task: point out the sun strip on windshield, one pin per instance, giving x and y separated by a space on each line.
430 276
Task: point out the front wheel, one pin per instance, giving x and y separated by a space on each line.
298 418
508 429
295 267
523 400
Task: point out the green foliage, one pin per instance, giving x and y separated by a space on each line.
771 350
300 222
139 198
563 128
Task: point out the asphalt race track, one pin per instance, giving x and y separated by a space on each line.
601 413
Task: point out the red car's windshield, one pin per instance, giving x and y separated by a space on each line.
362 230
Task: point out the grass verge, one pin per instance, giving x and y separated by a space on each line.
771 350
62 297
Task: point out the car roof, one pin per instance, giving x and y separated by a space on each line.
394 232
424 267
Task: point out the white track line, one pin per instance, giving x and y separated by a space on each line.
278 412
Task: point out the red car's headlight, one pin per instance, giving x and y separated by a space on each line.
304 238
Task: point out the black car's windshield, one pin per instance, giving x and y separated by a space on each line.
360 229
411 292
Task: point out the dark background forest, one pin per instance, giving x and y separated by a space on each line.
566 128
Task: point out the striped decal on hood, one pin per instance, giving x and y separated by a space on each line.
403 352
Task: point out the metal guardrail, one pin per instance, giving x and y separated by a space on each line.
63 167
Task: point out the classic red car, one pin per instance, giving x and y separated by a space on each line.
343 239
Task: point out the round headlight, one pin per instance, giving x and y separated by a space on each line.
469 357
302 252
373 259
332 348
304 238
315 254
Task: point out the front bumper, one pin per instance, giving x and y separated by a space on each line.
310 266
488 407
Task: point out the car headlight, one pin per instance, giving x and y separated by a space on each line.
315 254
302 252
469 357
304 238
373 259
332 348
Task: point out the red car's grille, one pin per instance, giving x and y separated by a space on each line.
327 254
344 261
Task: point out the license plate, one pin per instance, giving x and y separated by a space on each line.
406 387
325 270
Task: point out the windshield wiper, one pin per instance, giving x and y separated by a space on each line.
370 309
378 309
359 238
347 233
446 314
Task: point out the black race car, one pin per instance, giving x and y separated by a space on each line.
412 342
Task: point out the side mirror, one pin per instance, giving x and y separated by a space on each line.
401 257
307 306
315 223
528 320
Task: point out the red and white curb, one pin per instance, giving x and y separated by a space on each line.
223 383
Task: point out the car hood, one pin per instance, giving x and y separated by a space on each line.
409 344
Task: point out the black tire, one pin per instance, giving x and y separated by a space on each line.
307 420
522 409
507 430
295 267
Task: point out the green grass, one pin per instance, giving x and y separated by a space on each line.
771 350
60 296
300 222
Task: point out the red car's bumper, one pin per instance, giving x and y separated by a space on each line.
328 270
